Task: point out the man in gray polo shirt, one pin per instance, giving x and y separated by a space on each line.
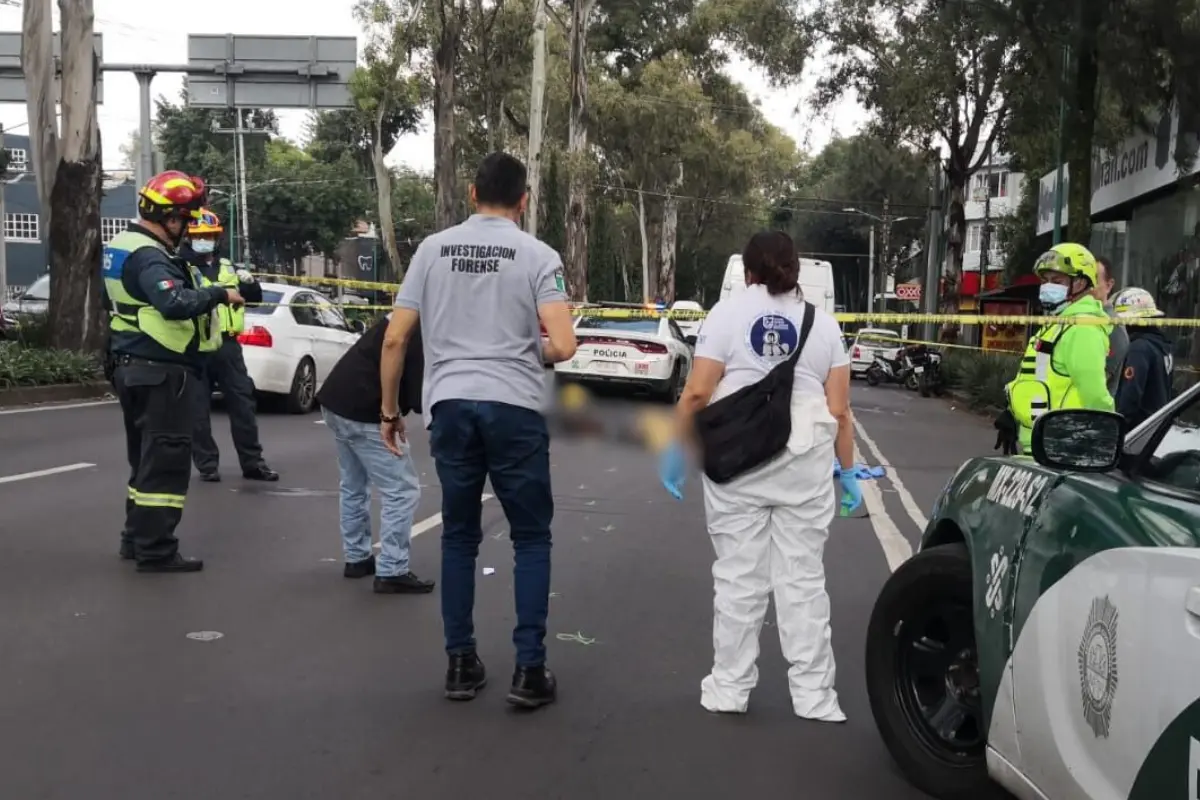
1118 337
479 290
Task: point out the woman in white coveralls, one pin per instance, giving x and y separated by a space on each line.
769 526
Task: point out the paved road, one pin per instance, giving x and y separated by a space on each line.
320 689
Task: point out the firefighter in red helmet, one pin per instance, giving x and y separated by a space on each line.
162 320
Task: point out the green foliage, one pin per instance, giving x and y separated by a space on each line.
22 365
334 134
979 377
861 171
188 139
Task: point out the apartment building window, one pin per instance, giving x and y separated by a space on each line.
974 237
991 184
18 160
110 227
21 227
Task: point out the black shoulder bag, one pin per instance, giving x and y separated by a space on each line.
751 426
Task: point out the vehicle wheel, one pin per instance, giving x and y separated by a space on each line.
303 397
675 385
923 385
873 375
910 382
923 677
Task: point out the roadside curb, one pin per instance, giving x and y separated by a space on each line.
63 393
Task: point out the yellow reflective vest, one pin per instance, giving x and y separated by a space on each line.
233 320
1057 373
130 315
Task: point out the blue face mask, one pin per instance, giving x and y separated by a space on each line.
1052 295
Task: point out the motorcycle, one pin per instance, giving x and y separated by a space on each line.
927 370
892 367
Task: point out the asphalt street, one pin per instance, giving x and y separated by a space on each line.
317 688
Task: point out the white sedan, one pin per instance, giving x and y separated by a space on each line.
292 341
648 355
871 341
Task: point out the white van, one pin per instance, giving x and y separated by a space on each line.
816 281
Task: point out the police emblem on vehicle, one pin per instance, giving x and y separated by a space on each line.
1098 666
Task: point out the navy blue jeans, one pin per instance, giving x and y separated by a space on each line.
473 441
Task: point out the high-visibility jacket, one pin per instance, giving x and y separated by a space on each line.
131 315
1063 367
232 320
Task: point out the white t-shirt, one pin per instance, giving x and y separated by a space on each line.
751 331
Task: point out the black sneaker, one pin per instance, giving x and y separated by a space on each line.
261 473
359 569
464 677
533 687
126 552
175 563
210 477
402 584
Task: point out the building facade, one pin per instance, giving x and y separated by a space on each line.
25 246
995 192
1146 218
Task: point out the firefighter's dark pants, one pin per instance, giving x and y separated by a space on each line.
156 400
228 368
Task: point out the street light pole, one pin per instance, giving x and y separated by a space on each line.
871 271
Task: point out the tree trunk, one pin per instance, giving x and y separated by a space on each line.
537 115
956 214
383 187
445 165
1081 130
74 231
577 136
37 64
645 241
668 243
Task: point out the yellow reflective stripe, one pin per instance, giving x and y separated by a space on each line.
132 492
157 500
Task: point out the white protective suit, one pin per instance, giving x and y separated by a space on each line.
768 529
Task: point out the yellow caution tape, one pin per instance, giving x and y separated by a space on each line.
313 280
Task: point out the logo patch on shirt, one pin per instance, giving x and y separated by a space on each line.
1129 373
166 286
560 282
772 337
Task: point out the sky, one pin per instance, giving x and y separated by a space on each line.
134 37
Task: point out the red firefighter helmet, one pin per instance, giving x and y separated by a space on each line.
171 194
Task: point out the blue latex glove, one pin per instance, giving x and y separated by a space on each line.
851 492
672 469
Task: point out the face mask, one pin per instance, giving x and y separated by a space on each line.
1052 295
204 246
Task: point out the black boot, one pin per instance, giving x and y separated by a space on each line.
210 476
464 677
407 583
175 563
359 569
533 687
260 473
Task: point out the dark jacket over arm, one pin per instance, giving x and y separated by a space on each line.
352 389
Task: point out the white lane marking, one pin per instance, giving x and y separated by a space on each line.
42 473
896 548
430 523
893 475
60 407
319 422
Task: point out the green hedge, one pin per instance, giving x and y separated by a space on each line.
22 365
979 377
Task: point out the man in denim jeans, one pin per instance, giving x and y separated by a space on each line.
479 290
350 402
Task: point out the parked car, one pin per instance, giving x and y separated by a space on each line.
292 341
1046 635
645 354
33 302
690 327
868 343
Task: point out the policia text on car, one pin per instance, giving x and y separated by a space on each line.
162 322
225 367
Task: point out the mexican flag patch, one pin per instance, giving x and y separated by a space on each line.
560 283
166 286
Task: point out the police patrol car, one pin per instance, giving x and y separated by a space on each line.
648 354
1046 638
